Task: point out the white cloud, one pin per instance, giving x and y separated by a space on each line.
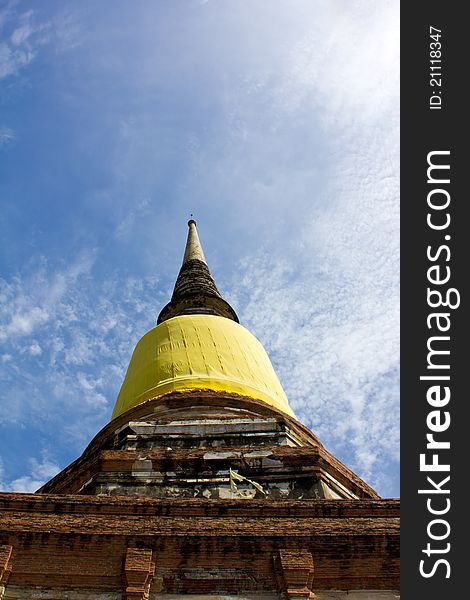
25 484
25 322
35 349
89 387
323 295
69 367
7 135
361 43
127 224
334 344
23 36
44 469
11 61
39 473
27 305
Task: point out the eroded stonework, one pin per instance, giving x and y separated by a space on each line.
204 495
195 446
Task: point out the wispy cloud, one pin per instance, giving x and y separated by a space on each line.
323 295
21 36
24 32
38 473
7 135
66 343
27 305
127 224
334 345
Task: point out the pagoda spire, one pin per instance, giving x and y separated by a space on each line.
195 291
193 250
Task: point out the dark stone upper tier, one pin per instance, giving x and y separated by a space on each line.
195 291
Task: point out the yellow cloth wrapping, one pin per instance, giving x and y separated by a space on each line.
200 352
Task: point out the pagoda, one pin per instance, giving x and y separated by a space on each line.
204 483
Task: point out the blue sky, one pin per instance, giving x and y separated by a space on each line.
277 124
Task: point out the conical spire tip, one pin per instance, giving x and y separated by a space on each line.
193 248
195 291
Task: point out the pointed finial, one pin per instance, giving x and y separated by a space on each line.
193 248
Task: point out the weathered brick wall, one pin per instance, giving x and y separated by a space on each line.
196 546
